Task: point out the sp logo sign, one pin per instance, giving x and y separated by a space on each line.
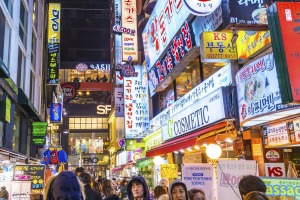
275 170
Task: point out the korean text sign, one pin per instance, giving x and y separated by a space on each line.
199 175
169 170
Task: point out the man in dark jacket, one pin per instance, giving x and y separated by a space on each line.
90 193
137 189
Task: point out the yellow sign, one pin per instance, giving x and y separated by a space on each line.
169 170
217 46
54 23
153 140
249 42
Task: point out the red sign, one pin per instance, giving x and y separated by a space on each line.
289 19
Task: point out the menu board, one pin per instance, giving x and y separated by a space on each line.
34 173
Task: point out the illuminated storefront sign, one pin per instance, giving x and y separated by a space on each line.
119 101
127 70
220 78
136 104
166 19
129 20
250 42
56 113
276 134
181 44
5 107
202 112
53 43
95 66
217 46
39 128
153 140
202 8
124 30
258 90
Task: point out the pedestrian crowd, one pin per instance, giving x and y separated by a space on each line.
81 186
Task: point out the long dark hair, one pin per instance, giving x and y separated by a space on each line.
107 188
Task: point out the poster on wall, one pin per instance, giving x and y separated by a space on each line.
56 113
81 146
169 171
199 176
96 145
20 190
229 173
282 188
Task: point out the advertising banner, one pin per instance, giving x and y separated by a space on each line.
282 188
5 107
119 101
39 128
276 134
136 104
169 170
217 47
153 140
258 89
245 13
275 170
284 26
56 113
96 145
250 42
54 15
34 172
199 176
90 159
129 21
82 146
203 112
229 174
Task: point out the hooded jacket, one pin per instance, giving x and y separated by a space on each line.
64 185
178 182
145 186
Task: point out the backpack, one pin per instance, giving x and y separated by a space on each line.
54 157
46 157
62 156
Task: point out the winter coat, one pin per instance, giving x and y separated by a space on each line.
91 194
145 186
64 185
177 182
3 193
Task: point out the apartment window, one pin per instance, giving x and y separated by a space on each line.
9 6
88 123
33 50
32 85
21 69
5 33
23 23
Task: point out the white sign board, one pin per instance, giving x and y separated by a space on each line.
229 174
277 134
275 170
199 176
202 112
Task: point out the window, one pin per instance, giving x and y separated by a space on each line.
32 85
21 69
211 68
9 6
35 14
33 50
188 79
166 98
88 123
5 33
23 23
73 75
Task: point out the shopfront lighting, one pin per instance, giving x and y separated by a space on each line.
176 152
205 145
158 160
189 149
229 140
181 150
197 147
213 151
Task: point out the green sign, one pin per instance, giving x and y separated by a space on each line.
5 107
282 188
144 162
39 128
13 86
38 140
132 145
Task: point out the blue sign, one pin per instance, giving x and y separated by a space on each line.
56 113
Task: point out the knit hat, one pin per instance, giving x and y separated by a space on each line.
164 182
65 185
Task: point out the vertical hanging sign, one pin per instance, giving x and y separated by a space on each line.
53 43
129 21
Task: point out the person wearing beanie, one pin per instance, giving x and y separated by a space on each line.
137 189
65 186
178 191
90 193
3 193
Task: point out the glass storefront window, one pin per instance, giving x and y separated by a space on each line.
73 75
188 79
88 123
211 68
166 98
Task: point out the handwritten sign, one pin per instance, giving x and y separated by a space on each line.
169 170
35 173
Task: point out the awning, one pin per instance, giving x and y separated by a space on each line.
182 142
28 106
